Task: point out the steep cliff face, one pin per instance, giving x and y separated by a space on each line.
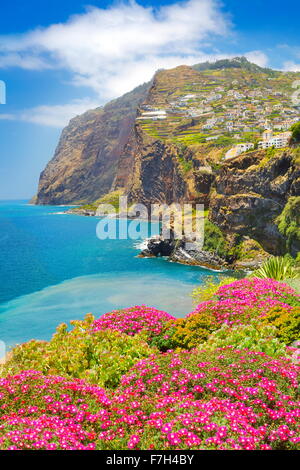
149 171
251 191
85 161
189 119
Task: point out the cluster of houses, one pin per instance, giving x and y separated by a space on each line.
285 125
241 112
269 140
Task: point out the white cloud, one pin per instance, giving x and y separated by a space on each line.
7 117
24 61
114 49
258 58
57 115
291 66
52 115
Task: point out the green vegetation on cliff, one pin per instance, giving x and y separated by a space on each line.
296 132
111 198
235 63
289 221
214 239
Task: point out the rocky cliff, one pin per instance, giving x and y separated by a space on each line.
157 165
149 171
251 191
84 165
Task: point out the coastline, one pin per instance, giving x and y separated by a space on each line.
202 258
178 255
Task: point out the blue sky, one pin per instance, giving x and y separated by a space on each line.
56 65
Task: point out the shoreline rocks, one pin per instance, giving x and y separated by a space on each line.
179 251
84 212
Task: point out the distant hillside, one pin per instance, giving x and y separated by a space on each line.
235 63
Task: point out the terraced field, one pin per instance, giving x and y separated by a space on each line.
219 107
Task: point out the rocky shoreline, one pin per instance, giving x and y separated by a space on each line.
179 251
79 211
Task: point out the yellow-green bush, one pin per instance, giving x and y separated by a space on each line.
287 323
254 336
207 290
100 357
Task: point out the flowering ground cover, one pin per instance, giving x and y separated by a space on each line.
48 412
218 390
258 289
133 320
248 298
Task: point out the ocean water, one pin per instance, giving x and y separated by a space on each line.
54 269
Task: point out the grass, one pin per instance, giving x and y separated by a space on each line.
109 198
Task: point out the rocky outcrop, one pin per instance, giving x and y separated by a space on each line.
85 161
251 191
81 211
205 259
179 251
158 247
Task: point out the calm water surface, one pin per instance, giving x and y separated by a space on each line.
54 269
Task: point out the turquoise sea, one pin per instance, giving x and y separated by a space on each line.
54 269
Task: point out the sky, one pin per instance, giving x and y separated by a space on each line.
59 58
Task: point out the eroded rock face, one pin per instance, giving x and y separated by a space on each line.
250 192
149 171
85 161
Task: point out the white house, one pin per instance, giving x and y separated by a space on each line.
238 149
278 141
154 115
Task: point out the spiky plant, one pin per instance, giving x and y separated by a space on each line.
278 268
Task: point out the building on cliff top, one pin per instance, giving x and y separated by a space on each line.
278 141
155 114
238 149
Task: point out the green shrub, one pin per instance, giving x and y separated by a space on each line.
296 132
100 357
294 284
185 165
289 221
255 336
214 239
187 333
165 340
111 198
